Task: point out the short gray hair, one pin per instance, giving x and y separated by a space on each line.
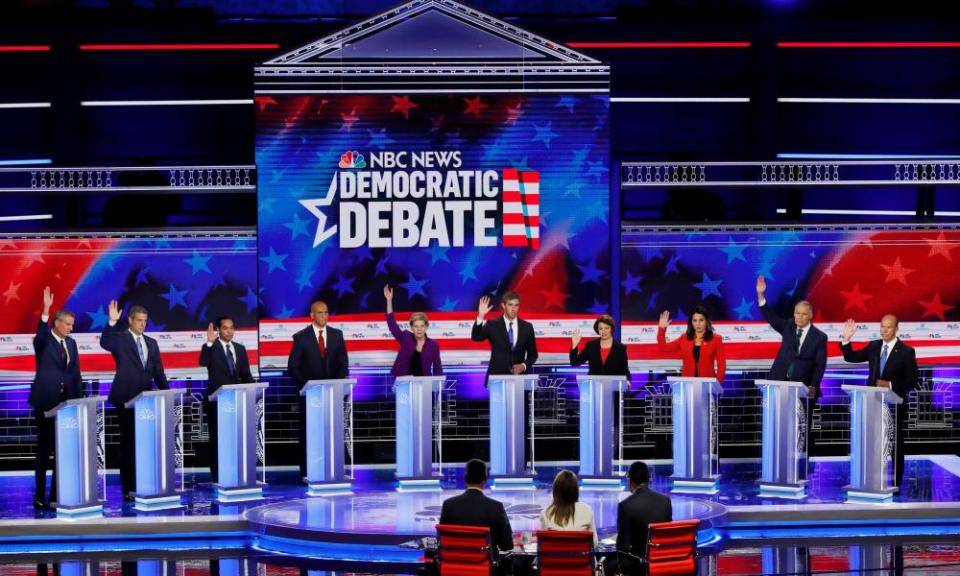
61 314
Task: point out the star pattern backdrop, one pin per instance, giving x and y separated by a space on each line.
844 273
300 140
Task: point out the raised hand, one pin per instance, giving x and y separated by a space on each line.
849 328
761 286
575 337
211 333
47 299
664 318
388 292
113 312
484 307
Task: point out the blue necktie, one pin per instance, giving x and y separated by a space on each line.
230 363
510 333
143 358
883 360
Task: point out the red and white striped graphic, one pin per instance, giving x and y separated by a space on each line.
521 208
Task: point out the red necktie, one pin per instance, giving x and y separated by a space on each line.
323 345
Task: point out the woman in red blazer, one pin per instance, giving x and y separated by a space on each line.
700 348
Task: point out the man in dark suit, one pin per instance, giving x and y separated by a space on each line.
319 353
226 363
513 344
634 513
139 368
473 508
802 356
57 379
893 364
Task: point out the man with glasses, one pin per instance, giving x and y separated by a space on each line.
319 353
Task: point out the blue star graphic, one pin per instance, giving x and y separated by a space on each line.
274 261
672 264
520 164
437 253
493 149
766 269
599 210
305 280
652 303
598 168
152 327
99 318
265 204
250 299
580 156
344 286
743 310
567 102
733 251
174 297
467 271
632 283
591 274
297 226
363 254
142 276
708 287
651 252
598 307
285 312
544 134
573 189
379 140
363 301
198 263
680 316
382 266
448 305
414 286
791 291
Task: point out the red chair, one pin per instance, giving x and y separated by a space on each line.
562 553
672 548
464 550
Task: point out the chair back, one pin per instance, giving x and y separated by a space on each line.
672 548
464 550
565 553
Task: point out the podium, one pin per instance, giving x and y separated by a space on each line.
325 426
156 427
78 441
414 397
507 439
238 423
695 461
784 454
873 432
596 427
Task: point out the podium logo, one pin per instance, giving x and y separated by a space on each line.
146 414
403 398
228 407
69 423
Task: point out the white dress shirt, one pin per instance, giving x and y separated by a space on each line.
582 520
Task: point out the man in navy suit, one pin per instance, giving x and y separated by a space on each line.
139 367
57 379
635 513
802 356
226 363
319 353
893 364
513 344
474 508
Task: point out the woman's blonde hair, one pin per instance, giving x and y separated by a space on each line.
419 316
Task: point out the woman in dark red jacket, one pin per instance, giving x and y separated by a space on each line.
700 348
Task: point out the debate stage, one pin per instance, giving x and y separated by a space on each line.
375 524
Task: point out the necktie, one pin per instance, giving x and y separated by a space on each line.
799 336
510 334
143 357
883 359
796 352
63 352
230 362
323 345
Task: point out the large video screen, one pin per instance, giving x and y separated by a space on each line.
447 198
184 280
845 272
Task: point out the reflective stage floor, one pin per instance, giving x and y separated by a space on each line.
375 527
